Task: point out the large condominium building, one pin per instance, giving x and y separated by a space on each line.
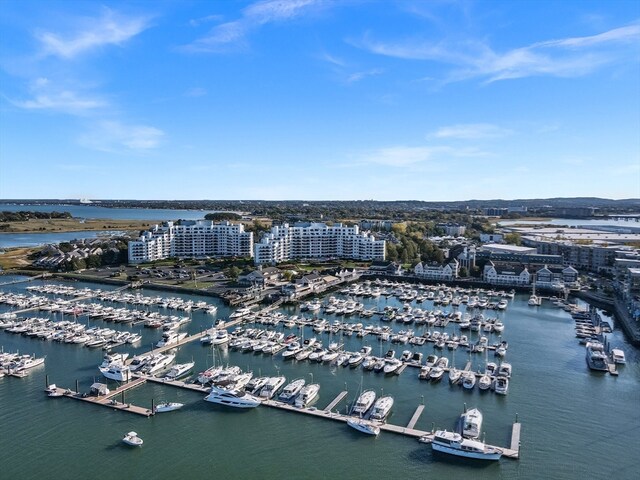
191 239
317 241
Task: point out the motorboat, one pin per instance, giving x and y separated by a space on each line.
504 369
454 376
363 403
256 384
179 370
469 380
53 391
232 398
241 312
471 423
221 337
455 444
392 366
171 338
596 356
618 356
116 371
271 386
291 390
168 407
356 359
307 395
138 362
534 300
364 426
132 439
501 385
381 408
157 363
424 373
484 382
291 351
110 358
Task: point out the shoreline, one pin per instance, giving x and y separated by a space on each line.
75 224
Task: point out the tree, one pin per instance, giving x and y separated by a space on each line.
513 238
463 272
232 273
288 275
221 216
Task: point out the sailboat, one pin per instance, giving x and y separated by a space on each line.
534 300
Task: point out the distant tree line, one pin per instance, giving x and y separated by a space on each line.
24 215
222 216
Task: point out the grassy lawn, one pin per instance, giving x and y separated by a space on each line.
74 225
16 257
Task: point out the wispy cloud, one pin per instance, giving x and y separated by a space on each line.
357 76
471 131
568 57
113 136
403 156
111 28
48 97
253 17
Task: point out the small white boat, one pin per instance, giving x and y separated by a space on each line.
364 426
469 380
454 444
471 423
291 390
618 356
53 391
501 385
484 382
168 407
382 408
307 395
271 386
179 370
132 439
117 372
364 403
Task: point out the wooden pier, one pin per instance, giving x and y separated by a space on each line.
335 401
416 416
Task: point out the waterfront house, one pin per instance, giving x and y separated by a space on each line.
497 274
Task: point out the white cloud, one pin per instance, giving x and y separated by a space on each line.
357 76
110 136
568 57
47 96
253 16
110 29
403 156
471 131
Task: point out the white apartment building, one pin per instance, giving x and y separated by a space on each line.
317 241
191 239
436 271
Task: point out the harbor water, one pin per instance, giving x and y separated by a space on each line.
575 423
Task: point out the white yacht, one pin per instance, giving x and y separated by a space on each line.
179 370
382 408
110 358
271 386
241 312
535 301
116 371
132 439
232 398
139 361
392 366
168 407
501 385
364 426
454 375
471 422
484 382
364 403
171 338
307 395
291 351
455 444
291 390
157 363
222 337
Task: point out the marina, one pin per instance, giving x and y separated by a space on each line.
412 418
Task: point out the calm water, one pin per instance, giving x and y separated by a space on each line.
576 424
8 240
568 222
94 211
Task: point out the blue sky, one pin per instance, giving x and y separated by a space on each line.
319 99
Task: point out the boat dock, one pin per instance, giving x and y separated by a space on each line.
109 400
336 400
416 416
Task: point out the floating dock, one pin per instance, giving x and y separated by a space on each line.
108 400
336 400
415 417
